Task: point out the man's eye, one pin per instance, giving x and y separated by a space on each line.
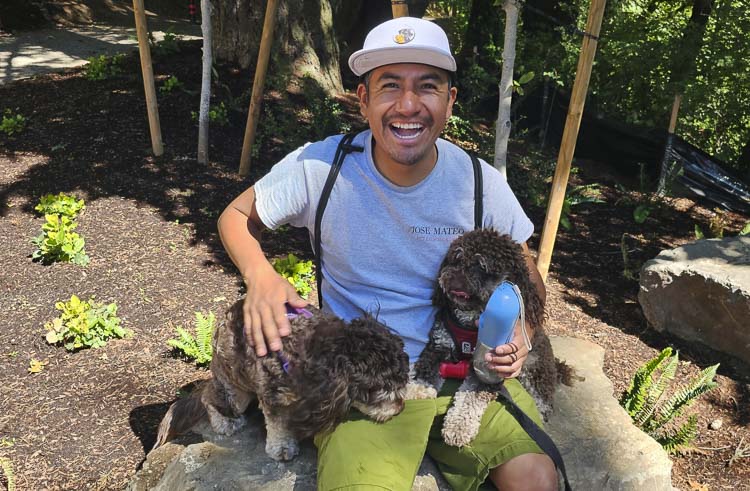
390 85
429 87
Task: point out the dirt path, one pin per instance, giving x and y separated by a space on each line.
30 53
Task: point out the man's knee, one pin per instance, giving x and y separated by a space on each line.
527 472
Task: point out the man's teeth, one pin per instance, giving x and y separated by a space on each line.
407 131
408 126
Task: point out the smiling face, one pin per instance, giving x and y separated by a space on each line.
406 105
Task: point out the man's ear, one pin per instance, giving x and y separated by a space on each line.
363 99
451 100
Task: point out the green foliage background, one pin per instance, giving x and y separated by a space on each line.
639 65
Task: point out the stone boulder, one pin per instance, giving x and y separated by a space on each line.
601 448
701 292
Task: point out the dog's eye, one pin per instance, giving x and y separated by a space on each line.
482 261
459 254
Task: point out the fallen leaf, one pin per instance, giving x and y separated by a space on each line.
36 366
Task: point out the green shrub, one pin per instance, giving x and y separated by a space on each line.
216 114
170 84
60 204
644 400
589 193
103 67
12 123
58 242
84 324
198 348
167 46
299 273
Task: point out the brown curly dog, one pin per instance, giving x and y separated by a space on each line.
326 367
475 264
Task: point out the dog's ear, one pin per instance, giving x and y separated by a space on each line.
323 400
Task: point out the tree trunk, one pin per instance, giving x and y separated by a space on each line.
205 104
683 70
502 127
304 40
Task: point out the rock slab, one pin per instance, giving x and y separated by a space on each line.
601 448
701 292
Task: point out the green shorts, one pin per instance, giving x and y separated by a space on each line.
363 455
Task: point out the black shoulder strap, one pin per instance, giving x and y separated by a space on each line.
345 147
478 192
536 433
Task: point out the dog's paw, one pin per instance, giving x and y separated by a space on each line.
415 390
282 450
226 426
458 437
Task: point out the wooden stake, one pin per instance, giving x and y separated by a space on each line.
266 40
148 77
400 8
661 188
570 134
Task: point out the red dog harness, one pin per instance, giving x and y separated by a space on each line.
465 338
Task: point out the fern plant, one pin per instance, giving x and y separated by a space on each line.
299 273
7 469
196 348
644 400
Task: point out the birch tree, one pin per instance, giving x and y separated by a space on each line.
502 126
205 103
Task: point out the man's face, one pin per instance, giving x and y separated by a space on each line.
406 105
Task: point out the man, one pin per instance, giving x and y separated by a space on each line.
393 211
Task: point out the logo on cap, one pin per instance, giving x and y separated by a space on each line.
404 35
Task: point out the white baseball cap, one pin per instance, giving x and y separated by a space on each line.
404 40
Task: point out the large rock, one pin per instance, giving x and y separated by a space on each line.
701 292
601 448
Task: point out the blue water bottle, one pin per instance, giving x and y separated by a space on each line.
496 324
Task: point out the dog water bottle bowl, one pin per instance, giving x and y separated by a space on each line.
496 326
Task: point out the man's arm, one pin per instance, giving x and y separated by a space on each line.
508 359
264 311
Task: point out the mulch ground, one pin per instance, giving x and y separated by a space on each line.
88 419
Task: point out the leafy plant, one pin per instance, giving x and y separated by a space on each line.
167 46
170 84
58 242
84 324
299 273
60 204
459 129
588 193
103 67
7 467
641 213
644 400
216 114
698 232
745 230
196 348
12 123
525 78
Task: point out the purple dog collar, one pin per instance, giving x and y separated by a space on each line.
292 312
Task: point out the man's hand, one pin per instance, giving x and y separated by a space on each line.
264 310
508 359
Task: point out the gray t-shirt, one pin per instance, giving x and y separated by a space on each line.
382 243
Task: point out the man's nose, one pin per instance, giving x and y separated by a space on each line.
408 102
